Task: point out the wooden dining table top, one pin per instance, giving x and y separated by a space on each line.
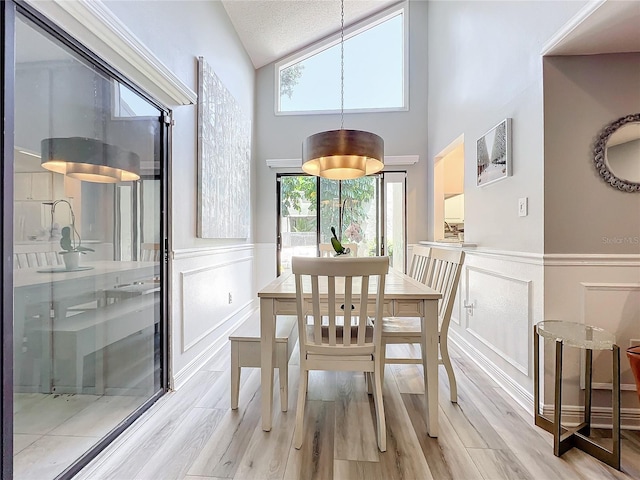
398 285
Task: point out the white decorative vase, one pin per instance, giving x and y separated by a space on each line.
71 260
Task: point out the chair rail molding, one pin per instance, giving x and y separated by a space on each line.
184 253
95 26
592 260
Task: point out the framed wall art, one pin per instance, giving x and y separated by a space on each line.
224 160
493 154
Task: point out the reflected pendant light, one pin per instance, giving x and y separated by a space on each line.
342 154
89 160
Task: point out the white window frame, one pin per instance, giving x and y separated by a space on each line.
334 39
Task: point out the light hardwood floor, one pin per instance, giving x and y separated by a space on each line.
193 434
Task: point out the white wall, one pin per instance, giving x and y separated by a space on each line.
404 133
485 65
203 272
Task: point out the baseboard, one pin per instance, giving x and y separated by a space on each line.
516 391
181 377
572 415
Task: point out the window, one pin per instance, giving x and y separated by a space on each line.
375 69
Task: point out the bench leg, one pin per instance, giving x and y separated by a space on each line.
283 376
235 375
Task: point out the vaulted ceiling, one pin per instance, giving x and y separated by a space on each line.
272 29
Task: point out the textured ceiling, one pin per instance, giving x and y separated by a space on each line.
272 29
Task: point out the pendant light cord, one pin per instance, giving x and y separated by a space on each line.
342 67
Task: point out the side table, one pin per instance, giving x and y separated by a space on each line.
589 338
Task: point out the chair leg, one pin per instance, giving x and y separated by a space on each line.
368 377
446 361
377 398
298 436
235 375
283 379
383 360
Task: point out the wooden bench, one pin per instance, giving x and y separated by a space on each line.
89 332
245 352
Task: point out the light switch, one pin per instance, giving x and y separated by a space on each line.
523 207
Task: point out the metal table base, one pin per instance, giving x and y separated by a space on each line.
566 438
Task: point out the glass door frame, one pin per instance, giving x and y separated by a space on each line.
380 218
279 177
9 11
7 68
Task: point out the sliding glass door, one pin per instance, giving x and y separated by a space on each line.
368 214
87 235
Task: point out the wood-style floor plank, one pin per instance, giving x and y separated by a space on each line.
221 455
267 454
446 455
499 464
403 458
314 461
174 458
192 434
355 433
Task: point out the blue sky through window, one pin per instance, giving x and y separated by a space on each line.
373 73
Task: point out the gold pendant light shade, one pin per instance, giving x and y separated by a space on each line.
89 160
342 154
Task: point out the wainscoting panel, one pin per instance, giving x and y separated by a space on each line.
501 314
215 294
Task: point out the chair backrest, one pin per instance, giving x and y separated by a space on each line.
36 259
419 263
150 252
443 274
324 289
327 250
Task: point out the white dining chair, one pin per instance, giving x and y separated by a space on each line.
324 286
440 270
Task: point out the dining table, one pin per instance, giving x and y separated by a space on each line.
403 297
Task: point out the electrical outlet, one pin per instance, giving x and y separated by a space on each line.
523 207
634 342
230 298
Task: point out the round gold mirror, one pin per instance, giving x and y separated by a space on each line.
617 153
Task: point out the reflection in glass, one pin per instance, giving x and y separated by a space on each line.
623 152
86 336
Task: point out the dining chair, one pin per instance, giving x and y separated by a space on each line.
440 270
346 340
327 250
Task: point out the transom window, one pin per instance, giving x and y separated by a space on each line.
375 65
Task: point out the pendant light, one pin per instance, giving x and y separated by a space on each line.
342 154
89 160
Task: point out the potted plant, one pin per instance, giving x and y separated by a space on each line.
633 353
72 251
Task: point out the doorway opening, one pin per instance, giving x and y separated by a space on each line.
448 192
